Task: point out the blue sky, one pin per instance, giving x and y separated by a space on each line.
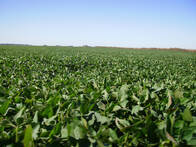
126 23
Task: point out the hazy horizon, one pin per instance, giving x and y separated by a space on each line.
134 24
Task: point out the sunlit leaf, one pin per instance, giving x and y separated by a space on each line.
187 116
28 138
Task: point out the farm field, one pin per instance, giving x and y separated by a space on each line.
96 96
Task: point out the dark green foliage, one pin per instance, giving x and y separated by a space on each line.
66 96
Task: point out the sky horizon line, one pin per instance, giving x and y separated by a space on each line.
82 45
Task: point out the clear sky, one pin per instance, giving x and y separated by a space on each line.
127 23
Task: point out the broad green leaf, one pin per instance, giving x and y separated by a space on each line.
101 119
116 108
101 105
193 124
187 134
124 103
64 132
136 109
55 130
161 125
113 135
28 139
135 98
35 132
19 114
79 133
105 95
48 111
100 144
123 92
192 142
153 95
2 100
122 123
179 124
186 115
4 107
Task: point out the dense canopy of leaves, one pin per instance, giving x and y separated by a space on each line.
86 96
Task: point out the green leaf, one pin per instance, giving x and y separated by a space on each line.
135 98
116 108
100 144
48 111
187 116
192 142
187 134
2 99
122 123
123 92
64 132
161 125
136 109
124 103
28 139
35 132
178 94
179 124
105 95
193 124
101 119
55 130
4 107
79 133
19 114
113 135
101 105
91 122
35 118
84 122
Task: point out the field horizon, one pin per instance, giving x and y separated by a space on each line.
117 47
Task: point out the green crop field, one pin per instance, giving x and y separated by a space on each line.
96 96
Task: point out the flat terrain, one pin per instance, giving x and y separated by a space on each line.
87 96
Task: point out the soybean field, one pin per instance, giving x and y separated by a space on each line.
96 96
